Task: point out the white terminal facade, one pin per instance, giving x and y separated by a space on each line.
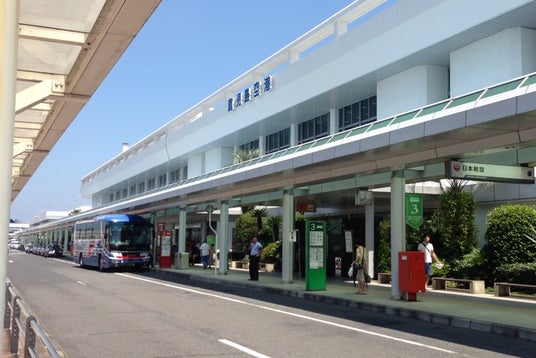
379 95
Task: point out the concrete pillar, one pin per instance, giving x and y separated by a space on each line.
293 135
223 238
287 245
369 237
9 13
398 227
333 121
181 242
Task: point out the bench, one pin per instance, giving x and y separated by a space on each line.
475 286
503 288
384 277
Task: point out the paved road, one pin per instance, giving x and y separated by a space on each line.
139 314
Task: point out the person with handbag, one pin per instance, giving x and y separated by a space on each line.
359 268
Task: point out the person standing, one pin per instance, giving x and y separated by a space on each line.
429 254
255 250
205 254
359 268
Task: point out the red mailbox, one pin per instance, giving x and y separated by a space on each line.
411 277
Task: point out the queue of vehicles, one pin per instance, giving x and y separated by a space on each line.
105 242
46 250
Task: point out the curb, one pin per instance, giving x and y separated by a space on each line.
454 321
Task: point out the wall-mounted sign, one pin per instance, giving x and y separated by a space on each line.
489 172
249 94
302 208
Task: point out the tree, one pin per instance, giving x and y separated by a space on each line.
274 222
259 214
383 250
245 155
508 235
246 228
457 227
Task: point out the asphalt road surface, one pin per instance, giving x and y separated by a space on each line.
142 314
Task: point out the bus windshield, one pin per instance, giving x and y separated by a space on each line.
129 236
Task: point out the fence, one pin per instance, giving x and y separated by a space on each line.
25 332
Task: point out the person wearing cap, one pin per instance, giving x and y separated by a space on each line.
428 249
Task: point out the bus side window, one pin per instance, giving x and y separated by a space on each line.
106 235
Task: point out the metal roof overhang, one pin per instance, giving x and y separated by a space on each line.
65 50
492 125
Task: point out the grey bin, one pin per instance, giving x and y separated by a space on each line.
184 260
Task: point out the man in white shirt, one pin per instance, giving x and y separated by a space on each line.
255 249
205 252
429 254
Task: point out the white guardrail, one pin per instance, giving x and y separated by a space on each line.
24 330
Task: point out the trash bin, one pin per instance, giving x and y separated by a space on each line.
184 258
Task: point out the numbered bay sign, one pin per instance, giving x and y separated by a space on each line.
315 258
414 210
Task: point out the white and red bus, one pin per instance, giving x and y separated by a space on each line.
111 241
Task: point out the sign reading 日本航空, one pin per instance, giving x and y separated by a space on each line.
489 172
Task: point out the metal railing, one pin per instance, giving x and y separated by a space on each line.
25 332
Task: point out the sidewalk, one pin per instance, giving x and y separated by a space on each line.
483 312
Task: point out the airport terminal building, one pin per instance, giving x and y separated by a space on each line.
382 98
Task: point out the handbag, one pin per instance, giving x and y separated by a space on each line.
367 278
351 271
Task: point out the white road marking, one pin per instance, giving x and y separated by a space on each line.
251 352
372 333
81 283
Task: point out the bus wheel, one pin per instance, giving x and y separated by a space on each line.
101 264
80 261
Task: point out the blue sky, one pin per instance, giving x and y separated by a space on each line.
187 50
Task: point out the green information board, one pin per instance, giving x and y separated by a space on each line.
315 255
414 216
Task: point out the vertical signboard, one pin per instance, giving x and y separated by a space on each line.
414 210
165 248
315 255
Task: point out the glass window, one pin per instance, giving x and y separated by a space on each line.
358 113
162 180
150 184
314 128
278 140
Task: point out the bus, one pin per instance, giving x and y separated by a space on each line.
113 241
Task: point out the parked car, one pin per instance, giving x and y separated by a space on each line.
37 249
53 250
28 248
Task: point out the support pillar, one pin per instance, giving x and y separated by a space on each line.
223 238
398 227
9 15
182 239
288 246
369 236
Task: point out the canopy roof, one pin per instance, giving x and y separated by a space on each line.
65 50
